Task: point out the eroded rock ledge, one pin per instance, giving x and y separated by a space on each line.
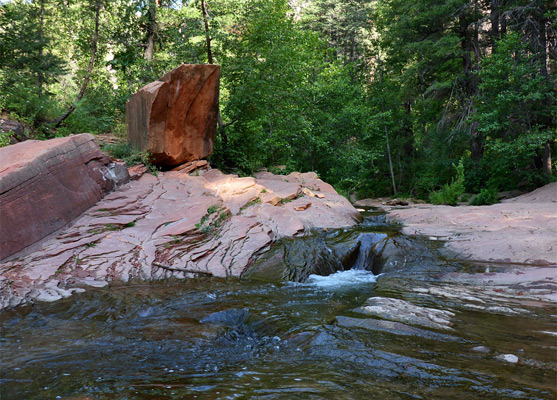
174 225
519 230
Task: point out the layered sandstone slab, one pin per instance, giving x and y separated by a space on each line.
173 225
519 230
46 184
175 118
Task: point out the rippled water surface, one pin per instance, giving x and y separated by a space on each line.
210 339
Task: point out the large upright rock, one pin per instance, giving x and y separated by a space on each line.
46 184
175 118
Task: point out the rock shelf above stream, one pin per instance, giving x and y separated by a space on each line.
520 230
174 225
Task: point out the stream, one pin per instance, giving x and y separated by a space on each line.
207 338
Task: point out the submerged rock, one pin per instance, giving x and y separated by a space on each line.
406 312
399 253
322 253
44 185
510 358
173 225
392 327
481 349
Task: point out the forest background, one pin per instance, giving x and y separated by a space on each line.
379 97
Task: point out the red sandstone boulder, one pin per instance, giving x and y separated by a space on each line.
46 184
175 118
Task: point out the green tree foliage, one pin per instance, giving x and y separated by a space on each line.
268 67
453 63
378 97
288 105
28 60
515 108
345 25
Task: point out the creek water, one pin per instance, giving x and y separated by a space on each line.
213 339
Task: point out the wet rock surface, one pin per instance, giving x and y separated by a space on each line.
44 185
499 259
374 245
213 338
172 225
491 285
392 327
406 312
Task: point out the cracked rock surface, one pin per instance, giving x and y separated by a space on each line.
174 225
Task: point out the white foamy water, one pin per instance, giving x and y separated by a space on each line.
351 277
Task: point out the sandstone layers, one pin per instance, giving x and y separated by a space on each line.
511 246
519 230
175 118
175 225
46 184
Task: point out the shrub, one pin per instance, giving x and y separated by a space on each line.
130 156
5 139
118 150
486 197
450 193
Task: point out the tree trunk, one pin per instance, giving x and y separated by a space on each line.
220 123
542 50
476 47
207 36
407 130
470 45
390 161
40 75
476 143
61 119
477 140
222 130
542 39
546 158
495 13
151 31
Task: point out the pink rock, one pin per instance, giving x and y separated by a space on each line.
282 188
193 166
520 230
137 171
153 227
